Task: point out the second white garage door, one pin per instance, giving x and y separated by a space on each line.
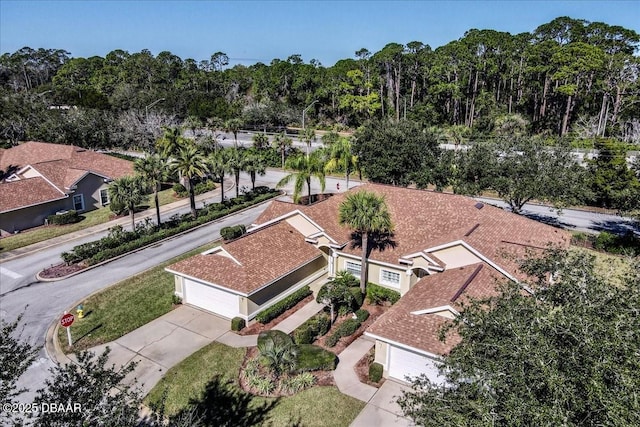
403 363
211 299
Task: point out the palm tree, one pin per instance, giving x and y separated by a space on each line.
219 166
128 191
171 142
281 143
154 170
341 157
235 159
367 214
260 141
254 164
308 135
233 126
305 168
190 163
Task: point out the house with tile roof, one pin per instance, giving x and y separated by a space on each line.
446 248
44 179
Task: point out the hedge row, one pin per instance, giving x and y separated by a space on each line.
313 328
238 324
119 242
70 217
199 188
346 328
314 358
267 315
378 295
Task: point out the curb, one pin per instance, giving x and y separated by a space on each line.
55 279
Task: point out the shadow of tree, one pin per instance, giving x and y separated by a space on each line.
377 241
221 404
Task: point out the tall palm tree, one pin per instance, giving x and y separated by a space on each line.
190 163
281 143
171 142
304 168
128 191
236 161
367 214
233 126
154 170
219 166
254 164
341 157
260 141
308 135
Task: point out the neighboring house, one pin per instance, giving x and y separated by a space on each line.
47 178
445 248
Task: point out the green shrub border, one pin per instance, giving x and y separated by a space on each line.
238 324
70 217
347 328
268 314
313 328
375 372
378 295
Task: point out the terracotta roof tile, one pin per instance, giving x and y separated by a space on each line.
264 256
421 330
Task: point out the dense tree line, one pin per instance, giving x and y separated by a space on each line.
567 76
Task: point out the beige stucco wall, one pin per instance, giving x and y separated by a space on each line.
178 286
456 256
374 275
33 216
301 224
380 355
249 306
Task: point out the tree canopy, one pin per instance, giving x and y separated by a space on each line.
565 355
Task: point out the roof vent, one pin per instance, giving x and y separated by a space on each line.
479 205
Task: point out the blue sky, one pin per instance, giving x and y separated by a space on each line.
260 31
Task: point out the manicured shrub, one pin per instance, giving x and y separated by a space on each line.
266 315
378 295
180 190
203 187
314 358
315 327
70 217
358 298
362 315
375 372
303 334
346 328
332 340
238 324
233 232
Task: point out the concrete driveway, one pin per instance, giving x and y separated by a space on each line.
164 342
383 410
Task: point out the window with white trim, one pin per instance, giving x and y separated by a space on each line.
353 268
78 202
388 277
104 197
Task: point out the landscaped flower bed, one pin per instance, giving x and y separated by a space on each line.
120 242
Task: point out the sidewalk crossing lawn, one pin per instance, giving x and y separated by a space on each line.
216 367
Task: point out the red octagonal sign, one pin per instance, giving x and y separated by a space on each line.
67 320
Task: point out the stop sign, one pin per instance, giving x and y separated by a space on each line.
67 320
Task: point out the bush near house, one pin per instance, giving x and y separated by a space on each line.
346 328
268 314
238 324
313 328
375 372
379 295
70 217
314 358
626 244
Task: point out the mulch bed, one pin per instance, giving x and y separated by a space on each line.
362 369
375 311
257 327
61 270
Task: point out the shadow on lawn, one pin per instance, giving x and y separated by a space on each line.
89 332
221 404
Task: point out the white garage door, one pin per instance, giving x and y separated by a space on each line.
403 363
210 298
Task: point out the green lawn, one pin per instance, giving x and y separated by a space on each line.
126 306
613 268
187 381
98 216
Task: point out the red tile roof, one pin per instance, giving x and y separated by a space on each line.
421 331
61 165
27 192
263 256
